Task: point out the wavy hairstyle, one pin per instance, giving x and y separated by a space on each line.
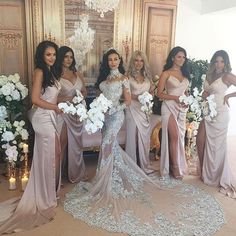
145 71
49 74
225 57
169 61
104 67
60 58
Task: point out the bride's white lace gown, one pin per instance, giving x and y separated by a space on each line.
121 198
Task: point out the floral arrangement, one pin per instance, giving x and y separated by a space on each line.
96 114
13 132
146 103
76 107
94 117
202 108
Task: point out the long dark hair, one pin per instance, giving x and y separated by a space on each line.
169 61
60 58
49 74
105 69
225 57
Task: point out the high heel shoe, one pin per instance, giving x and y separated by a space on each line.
175 172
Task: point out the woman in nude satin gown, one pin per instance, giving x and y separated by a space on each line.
40 197
172 84
212 135
137 125
69 125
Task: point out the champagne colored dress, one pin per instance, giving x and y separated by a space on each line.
39 199
122 198
216 170
171 107
71 134
138 127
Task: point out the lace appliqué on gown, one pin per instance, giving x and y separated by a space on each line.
121 198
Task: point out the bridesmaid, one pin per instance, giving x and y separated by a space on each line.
172 84
69 125
212 136
40 196
137 126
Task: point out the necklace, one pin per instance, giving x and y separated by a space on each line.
114 74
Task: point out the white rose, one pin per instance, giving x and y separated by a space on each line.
24 134
3 80
8 98
3 113
8 136
15 95
22 123
16 78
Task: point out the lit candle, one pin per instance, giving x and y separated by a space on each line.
25 148
12 183
189 133
24 182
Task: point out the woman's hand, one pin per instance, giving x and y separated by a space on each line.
176 99
205 95
57 110
226 100
134 97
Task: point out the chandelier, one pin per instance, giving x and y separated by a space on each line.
102 6
82 40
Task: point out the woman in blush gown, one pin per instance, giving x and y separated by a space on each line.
40 197
137 125
212 135
172 84
69 125
121 197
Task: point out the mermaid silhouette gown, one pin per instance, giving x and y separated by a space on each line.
138 127
216 170
39 198
171 107
121 198
71 135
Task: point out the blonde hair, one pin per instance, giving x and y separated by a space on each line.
145 71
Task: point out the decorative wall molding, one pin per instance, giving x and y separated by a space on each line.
10 40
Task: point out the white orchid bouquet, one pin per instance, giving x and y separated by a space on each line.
94 117
96 114
146 103
13 132
76 107
201 108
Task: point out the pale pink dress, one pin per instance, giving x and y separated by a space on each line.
216 170
40 197
138 127
171 107
71 134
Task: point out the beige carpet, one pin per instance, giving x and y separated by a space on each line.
64 224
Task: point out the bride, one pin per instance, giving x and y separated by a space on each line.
121 198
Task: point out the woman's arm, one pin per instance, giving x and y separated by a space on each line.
161 86
126 92
83 90
229 79
64 99
36 92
